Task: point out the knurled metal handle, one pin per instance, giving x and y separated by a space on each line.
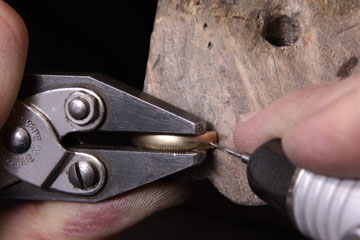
326 208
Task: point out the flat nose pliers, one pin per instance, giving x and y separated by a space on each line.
38 161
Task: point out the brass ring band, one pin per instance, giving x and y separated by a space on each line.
174 142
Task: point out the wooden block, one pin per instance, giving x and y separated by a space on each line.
218 59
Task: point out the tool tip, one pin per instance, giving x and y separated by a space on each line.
245 157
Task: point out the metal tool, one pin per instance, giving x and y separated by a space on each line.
245 157
43 154
322 207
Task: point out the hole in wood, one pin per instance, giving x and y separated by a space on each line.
281 30
347 67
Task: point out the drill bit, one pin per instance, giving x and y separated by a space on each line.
245 157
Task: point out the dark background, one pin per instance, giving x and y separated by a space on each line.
113 38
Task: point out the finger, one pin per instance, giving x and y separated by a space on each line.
287 111
61 220
58 220
328 141
13 52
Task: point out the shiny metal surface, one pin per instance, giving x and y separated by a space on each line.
63 182
184 143
290 194
326 207
82 108
127 109
83 175
126 170
53 105
44 154
7 179
45 163
174 142
78 108
16 139
50 110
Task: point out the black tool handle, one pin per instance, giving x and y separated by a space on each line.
270 173
322 207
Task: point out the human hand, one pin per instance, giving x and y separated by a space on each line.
319 127
62 220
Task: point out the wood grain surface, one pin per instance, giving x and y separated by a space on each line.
220 58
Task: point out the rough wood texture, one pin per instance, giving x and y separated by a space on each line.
219 59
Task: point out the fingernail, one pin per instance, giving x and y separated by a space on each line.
246 116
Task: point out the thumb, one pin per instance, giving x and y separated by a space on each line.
317 125
328 141
64 220
13 52
103 220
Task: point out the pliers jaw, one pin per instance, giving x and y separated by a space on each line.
127 109
54 106
126 170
